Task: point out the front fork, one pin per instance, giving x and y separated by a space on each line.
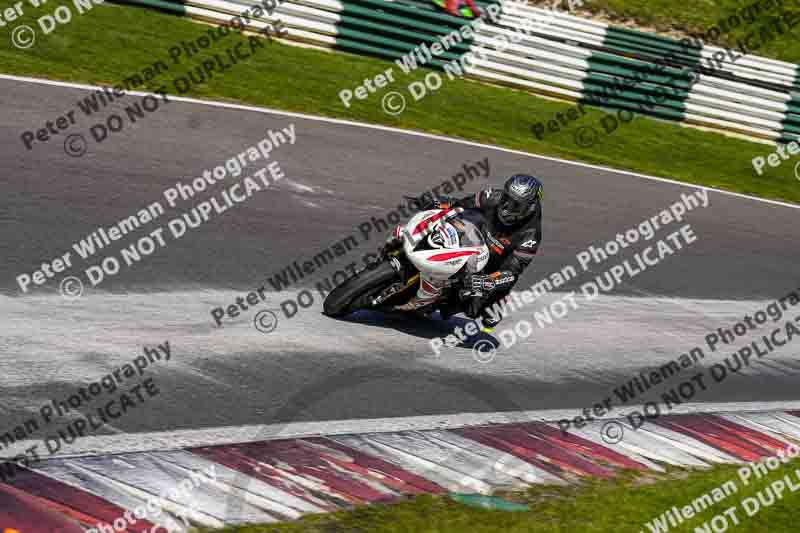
406 281
394 290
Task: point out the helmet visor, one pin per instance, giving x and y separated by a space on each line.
512 210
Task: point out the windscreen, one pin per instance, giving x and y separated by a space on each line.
468 233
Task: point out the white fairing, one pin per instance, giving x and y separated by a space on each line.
448 255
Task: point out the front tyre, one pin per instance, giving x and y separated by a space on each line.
353 292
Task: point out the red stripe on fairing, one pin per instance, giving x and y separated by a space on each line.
579 445
706 429
424 224
427 287
80 505
537 452
451 255
30 514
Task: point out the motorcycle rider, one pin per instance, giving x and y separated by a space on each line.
512 228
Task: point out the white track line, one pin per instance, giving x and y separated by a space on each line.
265 110
185 438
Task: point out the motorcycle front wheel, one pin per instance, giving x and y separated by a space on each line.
355 291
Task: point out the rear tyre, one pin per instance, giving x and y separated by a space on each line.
352 293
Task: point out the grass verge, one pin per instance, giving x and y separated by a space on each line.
625 504
699 16
111 42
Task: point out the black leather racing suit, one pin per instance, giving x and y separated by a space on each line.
511 247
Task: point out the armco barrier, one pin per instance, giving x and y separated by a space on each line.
556 54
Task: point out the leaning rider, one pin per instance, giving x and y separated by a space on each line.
512 228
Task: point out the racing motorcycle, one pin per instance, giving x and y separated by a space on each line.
439 248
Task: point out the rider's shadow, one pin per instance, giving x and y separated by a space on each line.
428 328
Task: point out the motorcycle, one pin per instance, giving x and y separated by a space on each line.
439 248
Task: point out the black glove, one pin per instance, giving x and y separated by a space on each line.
436 203
482 284
393 240
479 284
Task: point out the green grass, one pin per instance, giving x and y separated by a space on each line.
699 16
113 42
625 504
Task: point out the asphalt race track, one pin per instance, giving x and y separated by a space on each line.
312 368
